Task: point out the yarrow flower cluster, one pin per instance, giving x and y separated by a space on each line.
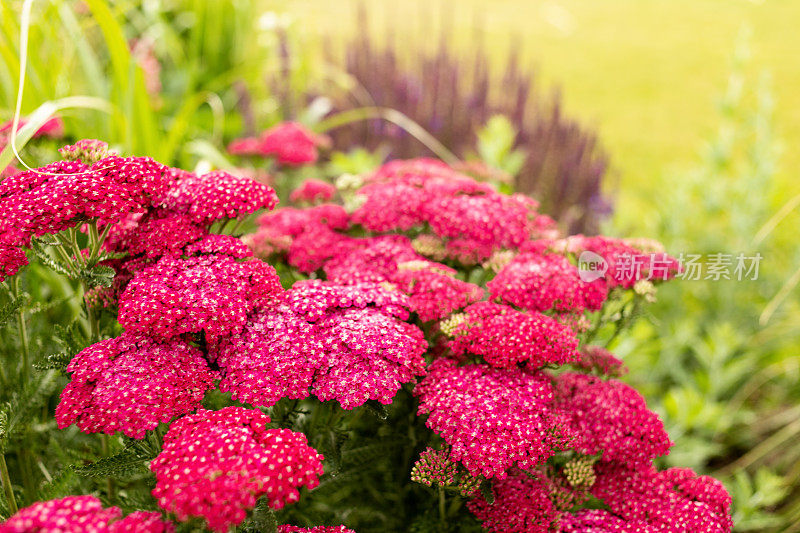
611 418
526 445
58 196
642 499
546 282
626 262
82 514
521 503
210 292
347 343
313 191
493 418
132 383
505 337
290 143
472 218
215 464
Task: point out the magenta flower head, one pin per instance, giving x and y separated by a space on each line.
62 194
291 143
506 337
434 294
52 128
12 257
493 418
73 514
141 522
244 146
675 500
319 529
521 503
471 218
342 343
211 290
546 282
132 383
153 234
611 417
627 261
313 191
217 195
82 514
216 464
599 360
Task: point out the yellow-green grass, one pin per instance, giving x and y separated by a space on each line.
646 74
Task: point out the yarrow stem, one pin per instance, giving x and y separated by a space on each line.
23 332
6 480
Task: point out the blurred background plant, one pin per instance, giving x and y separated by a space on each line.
458 97
718 358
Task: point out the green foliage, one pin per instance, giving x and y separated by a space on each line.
129 462
496 146
723 381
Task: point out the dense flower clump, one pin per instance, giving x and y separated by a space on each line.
131 383
397 295
82 514
544 282
505 337
342 343
673 501
318 529
57 196
472 218
217 195
521 503
215 464
289 143
210 292
611 418
493 418
313 191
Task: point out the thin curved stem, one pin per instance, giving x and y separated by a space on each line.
395 117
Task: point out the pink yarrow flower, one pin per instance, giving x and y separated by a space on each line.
210 292
611 417
521 504
313 191
216 464
544 282
339 343
506 337
82 514
493 418
132 383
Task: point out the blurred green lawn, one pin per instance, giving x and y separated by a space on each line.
646 73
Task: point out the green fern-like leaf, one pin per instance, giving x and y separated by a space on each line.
54 265
5 409
101 275
55 361
10 309
128 462
30 399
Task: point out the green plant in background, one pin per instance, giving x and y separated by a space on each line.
725 384
115 54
